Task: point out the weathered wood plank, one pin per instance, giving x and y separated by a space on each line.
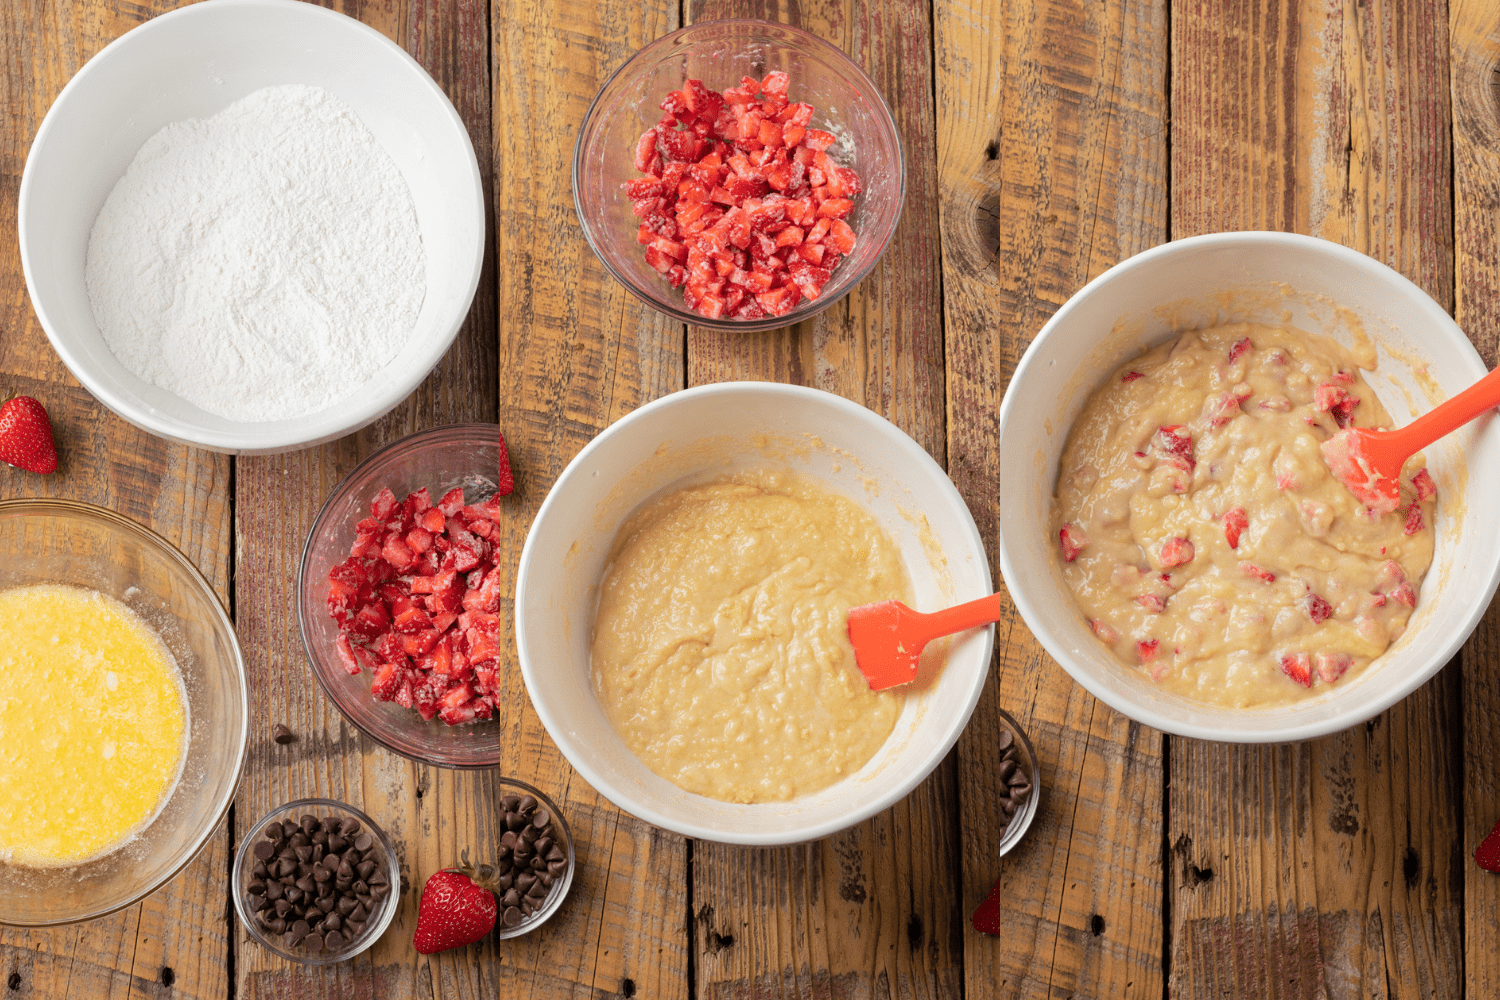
576 352
1052 166
178 935
868 912
1329 868
1474 35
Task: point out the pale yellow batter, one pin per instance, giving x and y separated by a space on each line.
1205 538
92 717
721 649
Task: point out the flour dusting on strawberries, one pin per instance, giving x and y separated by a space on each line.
742 207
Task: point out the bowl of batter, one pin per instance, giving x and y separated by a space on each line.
124 710
681 602
1171 533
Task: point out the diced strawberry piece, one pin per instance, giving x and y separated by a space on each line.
1131 376
1423 484
1328 397
1252 570
835 208
383 504
1297 666
386 681
1318 609
1413 520
1238 348
1285 481
484 646
434 521
419 540
346 654
1403 593
840 236
371 620
1176 552
1176 445
1147 649
1152 603
779 301
817 139
1343 412
411 621
1235 522
1104 631
1073 541
1343 378
1332 666
397 552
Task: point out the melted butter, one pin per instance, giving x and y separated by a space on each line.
92 718
721 650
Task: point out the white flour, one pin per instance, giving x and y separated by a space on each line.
262 263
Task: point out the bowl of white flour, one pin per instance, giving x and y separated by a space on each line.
251 225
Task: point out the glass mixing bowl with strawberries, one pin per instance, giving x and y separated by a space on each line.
400 596
739 175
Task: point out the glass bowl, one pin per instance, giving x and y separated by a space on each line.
466 455
244 863
1025 758
554 898
720 52
65 542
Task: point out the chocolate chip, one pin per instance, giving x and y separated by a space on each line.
305 883
360 889
274 890
364 869
512 916
508 839
304 853
556 867
509 803
1005 770
363 842
275 832
333 922
334 940
308 823
353 929
281 734
256 888
527 804
313 942
511 898
1004 740
259 870
1019 792
543 845
525 880
278 926
283 907
367 901
514 821
380 891
289 827
360 913
541 820
345 905
556 854
337 844
348 827
537 890
264 849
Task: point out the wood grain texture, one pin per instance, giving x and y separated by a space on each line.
576 353
179 934
1474 40
1330 868
868 912
1052 159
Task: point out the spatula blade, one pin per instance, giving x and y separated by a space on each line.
883 648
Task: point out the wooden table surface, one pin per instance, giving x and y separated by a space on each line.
1046 140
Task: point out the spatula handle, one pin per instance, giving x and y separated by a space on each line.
1448 417
963 616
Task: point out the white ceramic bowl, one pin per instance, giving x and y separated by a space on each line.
192 63
1258 277
691 437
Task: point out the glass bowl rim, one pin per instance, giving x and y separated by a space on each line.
806 309
560 891
239 867
1016 829
444 434
31 506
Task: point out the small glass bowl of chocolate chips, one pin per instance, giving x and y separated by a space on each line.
1021 791
316 881
532 866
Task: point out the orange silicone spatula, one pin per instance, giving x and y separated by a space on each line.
889 637
1369 461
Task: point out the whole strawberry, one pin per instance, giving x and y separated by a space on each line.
455 910
1487 855
26 436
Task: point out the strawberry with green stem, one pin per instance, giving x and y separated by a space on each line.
457 908
26 435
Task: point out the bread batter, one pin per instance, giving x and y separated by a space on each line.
1205 538
92 720
721 648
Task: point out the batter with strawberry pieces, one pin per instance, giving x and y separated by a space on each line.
1205 538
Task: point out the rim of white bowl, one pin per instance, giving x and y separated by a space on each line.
248 442
912 452
1060 652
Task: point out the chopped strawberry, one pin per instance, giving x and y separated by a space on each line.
1297 666
1147 649
1176 446
1332 666
1423 484
1235 522
1327 395
383 504
1176 552
1151 603
1250 569
1413 521
1286 481
1131 376
1104 631
1318 609
1073 541
1343 378
387 681
1238 348
1403 593
346 654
